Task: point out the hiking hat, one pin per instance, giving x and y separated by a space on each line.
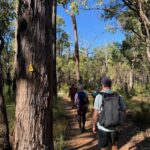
106 81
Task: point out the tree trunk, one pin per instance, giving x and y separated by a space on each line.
34 76
148 49
54 47
73 17
131 78
4 130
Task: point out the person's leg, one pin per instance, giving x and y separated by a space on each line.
103 140
114 139
114 147
84 111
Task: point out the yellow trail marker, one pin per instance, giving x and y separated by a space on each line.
31 68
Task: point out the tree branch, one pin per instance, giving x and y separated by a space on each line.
130 5
141 36
91 8
142 17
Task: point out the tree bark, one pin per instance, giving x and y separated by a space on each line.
4 130
54 12
148 48
131 78
73 17
34 76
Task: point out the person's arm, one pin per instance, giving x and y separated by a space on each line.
75 99
95 117
87 99
97 104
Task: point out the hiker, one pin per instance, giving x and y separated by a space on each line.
108 115
72 92
81 101
95 93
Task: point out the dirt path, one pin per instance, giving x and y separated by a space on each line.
132 137
75 139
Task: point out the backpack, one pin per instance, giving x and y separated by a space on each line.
82 99
110 115
94 94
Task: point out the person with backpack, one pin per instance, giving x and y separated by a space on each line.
72 92
109 108
81 101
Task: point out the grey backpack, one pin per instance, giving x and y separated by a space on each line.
110 115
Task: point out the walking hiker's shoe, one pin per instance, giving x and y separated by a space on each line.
83 130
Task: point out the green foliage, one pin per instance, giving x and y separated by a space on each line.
64 90
109 60
10 106
62 42
110 28
59 21
74 7
128 15
7 15
141 109
70 6
8 61
59 124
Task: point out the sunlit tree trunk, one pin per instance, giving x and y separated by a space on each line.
4 131
131 78
34 76
148 48
73 17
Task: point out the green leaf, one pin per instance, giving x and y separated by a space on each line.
74 7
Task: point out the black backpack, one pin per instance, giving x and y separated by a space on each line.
110 115
82 99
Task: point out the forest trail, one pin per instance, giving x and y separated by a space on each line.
132 137
75 139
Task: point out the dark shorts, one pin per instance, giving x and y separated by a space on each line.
82 111
106 138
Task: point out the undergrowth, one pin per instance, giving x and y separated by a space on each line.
59 124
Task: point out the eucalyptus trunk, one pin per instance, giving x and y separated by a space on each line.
34 76
131 78
54 12
73 17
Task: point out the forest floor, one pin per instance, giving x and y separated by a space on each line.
132 136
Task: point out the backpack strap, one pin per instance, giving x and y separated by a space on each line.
102 94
